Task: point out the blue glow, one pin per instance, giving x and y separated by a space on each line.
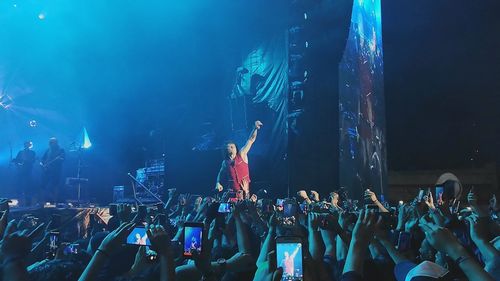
86 140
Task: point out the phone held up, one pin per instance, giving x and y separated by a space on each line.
290 257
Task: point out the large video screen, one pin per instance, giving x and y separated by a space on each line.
361 101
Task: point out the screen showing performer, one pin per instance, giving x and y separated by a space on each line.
51 163
234 174
289 257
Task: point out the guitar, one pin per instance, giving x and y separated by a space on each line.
47 165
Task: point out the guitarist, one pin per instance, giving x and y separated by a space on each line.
51 163
24 162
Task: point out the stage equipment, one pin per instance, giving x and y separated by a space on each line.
149 182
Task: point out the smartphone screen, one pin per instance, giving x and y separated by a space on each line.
53 241
138 236
404 241
420 195
289 257
289 209
193 237
71 249
439 192
279 202
225 208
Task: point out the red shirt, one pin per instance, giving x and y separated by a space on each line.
235 171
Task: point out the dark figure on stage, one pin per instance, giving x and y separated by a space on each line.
234 173
24 162
51 171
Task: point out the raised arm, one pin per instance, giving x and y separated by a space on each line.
251 139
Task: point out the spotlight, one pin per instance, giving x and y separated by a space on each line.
305 16
86 140
33 123
6 101
41 16
13 203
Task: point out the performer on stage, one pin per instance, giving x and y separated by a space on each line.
24 162
234 173
51 175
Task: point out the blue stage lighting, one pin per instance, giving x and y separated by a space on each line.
86 140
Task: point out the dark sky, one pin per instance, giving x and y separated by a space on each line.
442 83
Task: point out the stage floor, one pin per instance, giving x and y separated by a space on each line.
73 222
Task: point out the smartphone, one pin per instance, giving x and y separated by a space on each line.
54 241
71 249
420 195
279 202
404 241
113 209
142 211
138 236
225 208
439 192
289 256
267 206
289 208
193 238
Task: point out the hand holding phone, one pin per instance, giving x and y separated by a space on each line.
193 238
138 236
289 256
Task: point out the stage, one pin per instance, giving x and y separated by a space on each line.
71 222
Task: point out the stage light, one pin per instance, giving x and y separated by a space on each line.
13 203
41 16
6 101
33 123
305 16
86 140
307 44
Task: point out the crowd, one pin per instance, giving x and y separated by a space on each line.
301 238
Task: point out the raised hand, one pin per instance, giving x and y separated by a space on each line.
4 204
472 198
477 228
17 244
115 238
370 195
258 124
3 222
429 201
268 270
124 211
364 227
245 185
442 239
315 195
159 239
